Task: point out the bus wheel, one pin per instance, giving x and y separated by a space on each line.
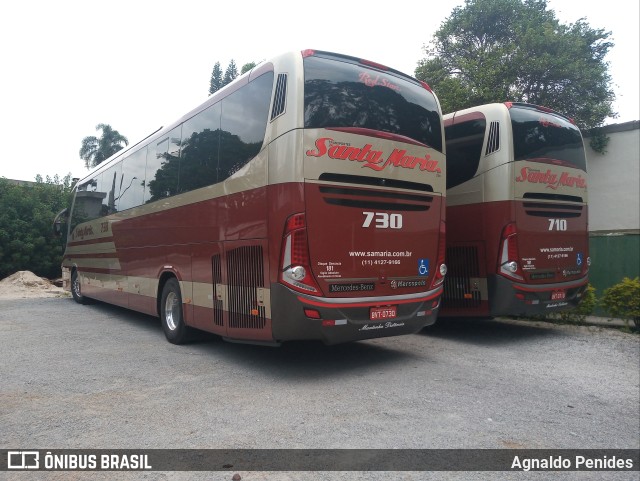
76 289
171 314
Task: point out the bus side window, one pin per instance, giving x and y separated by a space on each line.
131 183
87 203
464 148
109 184
200 146
163 167
244 121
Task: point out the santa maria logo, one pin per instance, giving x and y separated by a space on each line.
551 179
372 159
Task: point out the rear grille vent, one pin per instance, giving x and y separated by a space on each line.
545 209
363 198
493 141
462 264
376 181
216 267
246 274
280 96
558 197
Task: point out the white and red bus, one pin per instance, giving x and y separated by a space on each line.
305 200
517 234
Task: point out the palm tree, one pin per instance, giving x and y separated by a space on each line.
94 150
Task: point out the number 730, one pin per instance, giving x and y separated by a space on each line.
382 220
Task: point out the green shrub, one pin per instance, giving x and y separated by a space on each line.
583 309
578 314
26 216
622 301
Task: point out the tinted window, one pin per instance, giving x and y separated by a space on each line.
193 155
543 136
109 183
464 148
163 166
87 203
200 147
244 121
343 94
132 180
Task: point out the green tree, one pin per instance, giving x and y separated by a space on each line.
514 50
215 83
230 74
95 150
246 67
26 217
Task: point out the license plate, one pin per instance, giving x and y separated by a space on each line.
558 295
382 313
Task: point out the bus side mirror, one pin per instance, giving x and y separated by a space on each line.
59 221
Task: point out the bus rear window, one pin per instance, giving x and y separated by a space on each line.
343 94
546 137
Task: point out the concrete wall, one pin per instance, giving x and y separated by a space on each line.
614 180
614 207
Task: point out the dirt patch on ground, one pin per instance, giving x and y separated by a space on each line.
25 285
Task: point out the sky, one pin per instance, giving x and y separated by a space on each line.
67 66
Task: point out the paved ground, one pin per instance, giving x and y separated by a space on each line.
102 377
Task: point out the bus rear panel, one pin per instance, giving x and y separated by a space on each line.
517 232
372 186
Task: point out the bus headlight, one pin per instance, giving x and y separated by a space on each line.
443 270
588 261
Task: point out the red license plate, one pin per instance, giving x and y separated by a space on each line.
558 295
383 313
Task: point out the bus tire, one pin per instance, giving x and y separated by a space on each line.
76 289
172 314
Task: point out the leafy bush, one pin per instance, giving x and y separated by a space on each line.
26 216
623 300
578 314
599 141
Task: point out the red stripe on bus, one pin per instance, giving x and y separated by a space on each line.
90 241
110 255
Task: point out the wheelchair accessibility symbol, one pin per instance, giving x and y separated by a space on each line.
423 267
579 259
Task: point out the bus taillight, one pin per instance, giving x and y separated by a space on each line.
509 266
296 271
441 269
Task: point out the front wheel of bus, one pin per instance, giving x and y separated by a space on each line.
171 313
76 289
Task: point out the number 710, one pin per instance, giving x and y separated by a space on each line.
557 224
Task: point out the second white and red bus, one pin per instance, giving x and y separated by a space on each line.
517 211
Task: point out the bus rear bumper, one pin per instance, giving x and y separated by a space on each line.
297 316
510 298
